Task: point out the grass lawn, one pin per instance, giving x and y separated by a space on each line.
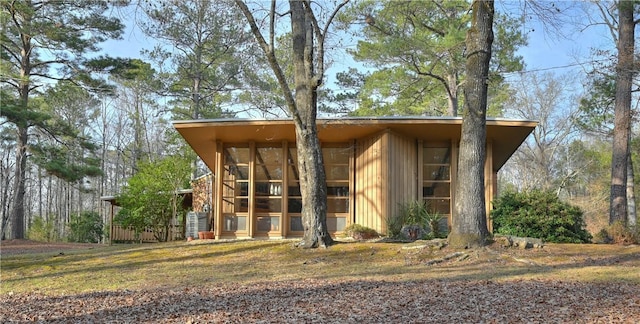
216 268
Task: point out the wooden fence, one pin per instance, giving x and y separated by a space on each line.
120 234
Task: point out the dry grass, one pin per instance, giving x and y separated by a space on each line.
273 282
181 264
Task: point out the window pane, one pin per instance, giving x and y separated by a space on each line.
268 172
337 190
293 173
267 224
292 157
295 224
339 172
294 189
436 189
295 205
227 205
236 155
436 172
442 206
269 155
436 155
336 155
336 224
268 189
235 223
234 172
268 205
235 205
335 205
241 205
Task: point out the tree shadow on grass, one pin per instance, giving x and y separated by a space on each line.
124 262
346 301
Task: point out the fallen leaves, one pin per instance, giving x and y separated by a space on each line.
341 301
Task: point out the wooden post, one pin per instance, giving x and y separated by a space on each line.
218 176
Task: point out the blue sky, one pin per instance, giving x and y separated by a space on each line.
545 51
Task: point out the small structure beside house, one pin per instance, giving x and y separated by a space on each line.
373 165
119 233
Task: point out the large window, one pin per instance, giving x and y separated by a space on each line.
294 202
257 178
436 179
235 189
336 165
268 187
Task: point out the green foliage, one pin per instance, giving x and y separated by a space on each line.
42 230
86 227
360 232
539 214
414 213
433 221
416 52
66 152
206 68
151 200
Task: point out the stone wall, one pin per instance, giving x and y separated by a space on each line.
202 191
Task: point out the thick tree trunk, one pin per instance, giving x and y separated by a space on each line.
313 188
313 185
469 224
622 119
17 212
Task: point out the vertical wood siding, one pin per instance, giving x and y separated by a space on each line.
370 202
385 177
403 173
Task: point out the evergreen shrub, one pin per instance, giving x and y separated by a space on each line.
86 227
539 214
42 230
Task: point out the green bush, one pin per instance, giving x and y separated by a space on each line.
42 230
539 214
85 227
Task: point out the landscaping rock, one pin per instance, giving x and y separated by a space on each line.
520 242
413 232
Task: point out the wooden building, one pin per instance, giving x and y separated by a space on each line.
372 164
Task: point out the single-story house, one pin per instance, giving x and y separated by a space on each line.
373 165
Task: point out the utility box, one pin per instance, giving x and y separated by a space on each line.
196 222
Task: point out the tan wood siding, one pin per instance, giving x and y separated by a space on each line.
403 169
489 188
455 145
386 169
369 200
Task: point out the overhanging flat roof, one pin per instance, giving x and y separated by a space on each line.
506 134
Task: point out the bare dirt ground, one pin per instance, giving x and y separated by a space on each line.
15 247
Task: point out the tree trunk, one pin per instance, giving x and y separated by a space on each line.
622 120
452 97
17 212
631 196
469 223
313 185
